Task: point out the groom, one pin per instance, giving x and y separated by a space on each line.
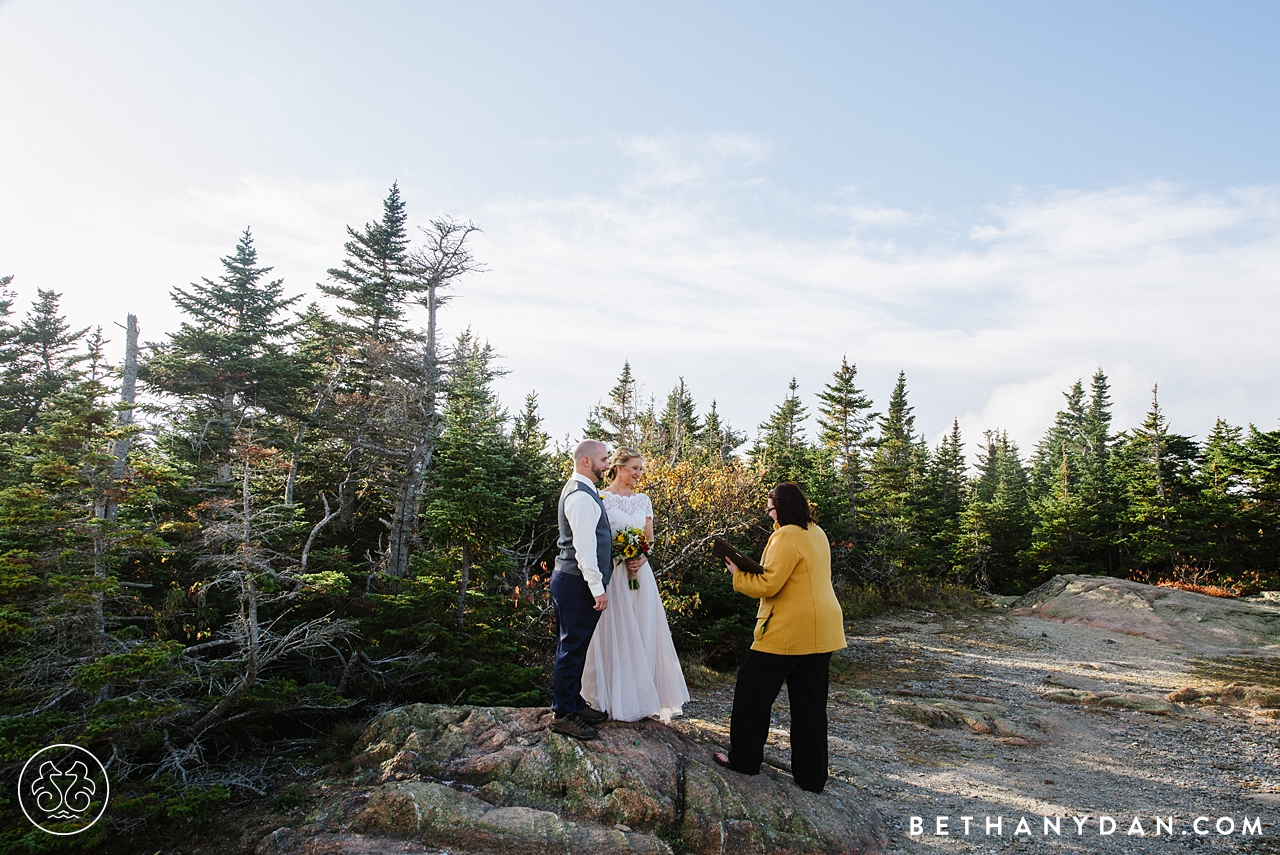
578 584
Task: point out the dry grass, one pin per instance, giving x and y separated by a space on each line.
1203 580
1211 590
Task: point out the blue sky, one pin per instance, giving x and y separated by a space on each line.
995 198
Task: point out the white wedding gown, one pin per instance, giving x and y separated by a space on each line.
632 670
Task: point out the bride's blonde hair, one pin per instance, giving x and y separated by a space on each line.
621 457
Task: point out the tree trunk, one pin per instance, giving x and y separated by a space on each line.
853 512
128 394
404 518
463 580
106 507
408 501
223 456
675 449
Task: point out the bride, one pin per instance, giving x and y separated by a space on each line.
632 670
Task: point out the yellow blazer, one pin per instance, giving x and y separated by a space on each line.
799 613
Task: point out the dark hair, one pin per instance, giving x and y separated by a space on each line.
791 505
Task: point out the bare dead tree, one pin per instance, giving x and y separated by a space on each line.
267 583
443 258
128 396
679 430
329 516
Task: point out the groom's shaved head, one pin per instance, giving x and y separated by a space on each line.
591 459
587 448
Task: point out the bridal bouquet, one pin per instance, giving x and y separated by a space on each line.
627 544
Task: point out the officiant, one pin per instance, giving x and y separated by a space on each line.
798 626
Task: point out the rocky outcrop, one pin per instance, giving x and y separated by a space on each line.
1113 700
1196 621
481 780
1262 701
976 713
1073 689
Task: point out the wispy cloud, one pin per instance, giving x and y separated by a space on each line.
1151 282
710 162
679 271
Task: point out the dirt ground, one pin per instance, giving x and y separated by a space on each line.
998 717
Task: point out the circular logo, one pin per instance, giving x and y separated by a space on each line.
63 789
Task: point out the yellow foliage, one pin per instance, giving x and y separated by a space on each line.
695 500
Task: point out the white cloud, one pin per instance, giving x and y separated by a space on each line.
991 320
110 255
1150 282
682 160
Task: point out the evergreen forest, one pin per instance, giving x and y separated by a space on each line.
268 524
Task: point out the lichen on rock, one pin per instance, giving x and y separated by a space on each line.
477 779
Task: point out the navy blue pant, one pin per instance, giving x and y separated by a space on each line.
759 682
576 618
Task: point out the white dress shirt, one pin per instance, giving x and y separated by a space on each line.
583 514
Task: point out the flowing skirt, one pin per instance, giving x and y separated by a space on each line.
632 670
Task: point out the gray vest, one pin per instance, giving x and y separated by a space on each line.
567 560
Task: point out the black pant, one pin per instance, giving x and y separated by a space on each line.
759 682
576 617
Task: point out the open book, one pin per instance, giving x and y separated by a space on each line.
724 549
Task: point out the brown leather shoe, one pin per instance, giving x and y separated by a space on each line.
572 725
592 716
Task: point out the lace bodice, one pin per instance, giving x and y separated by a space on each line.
627 511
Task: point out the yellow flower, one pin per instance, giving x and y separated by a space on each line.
630 552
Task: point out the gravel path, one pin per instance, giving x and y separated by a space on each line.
999 718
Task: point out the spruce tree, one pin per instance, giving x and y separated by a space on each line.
718 440
1155 467
615 422
781 451
376 278
1096 424
8 332
895 463
1227 521
540 477
475 504
10 380
678 425
1098 485
1065 440
943 502
63 552
996 522
527 433
45 361
229 362
845 423
1074 491
1260 470
894 488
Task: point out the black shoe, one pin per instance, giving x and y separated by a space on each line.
592 716
572 725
